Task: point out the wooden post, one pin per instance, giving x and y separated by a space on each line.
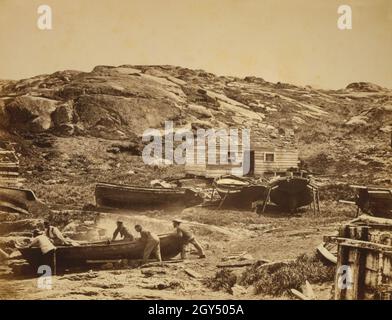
340 293
223 200
54 272
314 201
266 199
318 201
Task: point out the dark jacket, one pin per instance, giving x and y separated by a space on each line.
124 233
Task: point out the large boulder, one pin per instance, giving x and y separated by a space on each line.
30 113
364 87
63 114
111 113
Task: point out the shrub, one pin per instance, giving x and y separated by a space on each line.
223 280
277 279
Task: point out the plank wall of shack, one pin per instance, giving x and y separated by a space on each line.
9 167
283 160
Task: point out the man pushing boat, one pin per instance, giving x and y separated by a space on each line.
151 244
47 248
55 235
187 237
123 232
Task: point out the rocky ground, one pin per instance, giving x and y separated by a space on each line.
72 129
224 234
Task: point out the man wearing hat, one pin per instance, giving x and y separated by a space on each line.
187 237
123 231
151 243
55 235
48 250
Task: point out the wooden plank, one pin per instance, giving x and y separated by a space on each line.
193 273
299 295
103 261
342 259
370 219
340 293
358 244
326 254
239 264
357 269
347 202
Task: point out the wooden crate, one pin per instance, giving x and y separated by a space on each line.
365 247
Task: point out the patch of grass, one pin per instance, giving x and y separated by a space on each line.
221 218
278 279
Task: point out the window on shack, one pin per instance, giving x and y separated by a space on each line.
269 157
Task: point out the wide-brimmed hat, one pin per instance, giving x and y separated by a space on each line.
177 220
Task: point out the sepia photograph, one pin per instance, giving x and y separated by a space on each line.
197 150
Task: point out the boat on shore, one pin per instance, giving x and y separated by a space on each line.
291 192
77 256
20 201
376 201
129 196
239 192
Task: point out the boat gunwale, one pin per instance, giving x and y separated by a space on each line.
105 243
140 189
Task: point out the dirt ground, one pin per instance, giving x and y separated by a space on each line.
271 236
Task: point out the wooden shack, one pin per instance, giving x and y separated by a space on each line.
265 156
365 252
9 165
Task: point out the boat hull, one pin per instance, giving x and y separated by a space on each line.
72 256
21 201
291 193
375 201
239 192
124 197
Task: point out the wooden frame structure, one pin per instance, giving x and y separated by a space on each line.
365 249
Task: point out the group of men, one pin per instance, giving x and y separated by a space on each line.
152 242
52 237
47 242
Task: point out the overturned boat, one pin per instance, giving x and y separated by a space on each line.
293 192
20 201
76 256
239 192
129 196
374 200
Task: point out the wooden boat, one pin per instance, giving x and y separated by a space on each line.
374 200
75 256
239 192
328 251
16 200
291 192
128 196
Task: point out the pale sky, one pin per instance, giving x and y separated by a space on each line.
294 41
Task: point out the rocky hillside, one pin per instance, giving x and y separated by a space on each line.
73 128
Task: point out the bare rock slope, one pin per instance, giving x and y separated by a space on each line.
65 123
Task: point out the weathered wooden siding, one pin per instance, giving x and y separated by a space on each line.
9 167
284 159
